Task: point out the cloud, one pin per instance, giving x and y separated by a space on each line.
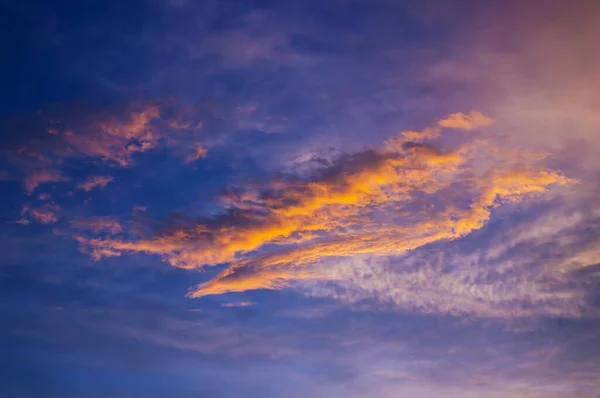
42 144
98 225
382 202
408 241
466 122
95 182
199 153
116 139
238 304
294 210
274 271
544 264
46 213
38 177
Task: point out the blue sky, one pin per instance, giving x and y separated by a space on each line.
289 199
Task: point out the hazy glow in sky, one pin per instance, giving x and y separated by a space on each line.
300 198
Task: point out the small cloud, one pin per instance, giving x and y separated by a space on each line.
95 182
46 214
98 224
238 304
466 122
199 152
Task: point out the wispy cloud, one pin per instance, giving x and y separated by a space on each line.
95 182
238 304
47 213
38 177
98 224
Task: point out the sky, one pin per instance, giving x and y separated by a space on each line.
335 198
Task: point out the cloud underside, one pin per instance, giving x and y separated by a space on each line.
383 202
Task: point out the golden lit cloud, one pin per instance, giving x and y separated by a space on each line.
296 211
471 121
272 271
382 202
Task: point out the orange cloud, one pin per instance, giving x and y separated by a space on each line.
465 122
459 121
381 202
293 211
273 271
116 140
95 182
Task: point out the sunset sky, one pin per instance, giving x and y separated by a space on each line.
298 198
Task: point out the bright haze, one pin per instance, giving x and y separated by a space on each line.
265 199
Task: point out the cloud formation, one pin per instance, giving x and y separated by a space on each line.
382 202
273 271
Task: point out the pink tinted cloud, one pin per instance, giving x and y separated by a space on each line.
95 182
112 136
45 214
39 177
